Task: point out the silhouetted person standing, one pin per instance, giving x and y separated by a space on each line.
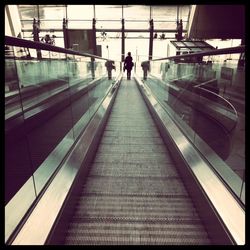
128 65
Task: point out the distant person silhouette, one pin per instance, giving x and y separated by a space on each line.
110 65
164 69
128 65
179 30
145 68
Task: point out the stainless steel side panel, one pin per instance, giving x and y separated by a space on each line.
18 206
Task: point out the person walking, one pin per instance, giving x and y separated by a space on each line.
128 65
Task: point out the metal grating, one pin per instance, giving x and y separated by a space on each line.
133 194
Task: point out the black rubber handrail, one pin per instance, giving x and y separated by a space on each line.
232 50
14 41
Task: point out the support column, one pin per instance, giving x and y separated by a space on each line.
151 37
94 37
36 30
123 41
92 64
65 33
177 13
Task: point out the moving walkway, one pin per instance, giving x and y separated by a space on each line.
132 177
133 193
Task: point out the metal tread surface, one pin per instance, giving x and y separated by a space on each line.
133 194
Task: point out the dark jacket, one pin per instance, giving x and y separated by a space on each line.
110 65
128 64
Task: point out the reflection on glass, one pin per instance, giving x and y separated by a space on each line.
48 103
45 97
19 167
79 73
102 84
207 99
